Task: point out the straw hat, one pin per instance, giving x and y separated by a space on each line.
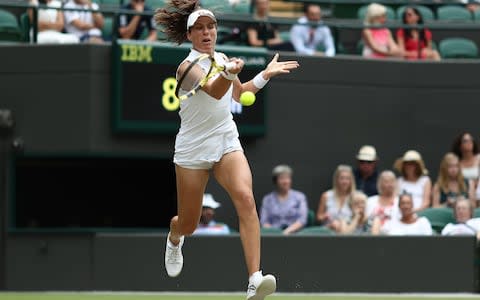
411 155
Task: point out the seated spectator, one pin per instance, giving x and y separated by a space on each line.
465 225
284 208
207 225
384 206
264 34
414 179
466 148
450 184
409 223
378 40
366 173
416 43
334 206
360 223
310 33
132 26
50 24
86 25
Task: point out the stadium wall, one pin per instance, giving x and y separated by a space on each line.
301 263
317 117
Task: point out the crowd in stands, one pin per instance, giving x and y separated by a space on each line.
309 35
395 201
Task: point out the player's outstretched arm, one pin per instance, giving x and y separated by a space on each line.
273 69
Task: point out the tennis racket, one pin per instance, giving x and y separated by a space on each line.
194 77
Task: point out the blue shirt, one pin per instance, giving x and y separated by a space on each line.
307 39
367 185
145 21
283 213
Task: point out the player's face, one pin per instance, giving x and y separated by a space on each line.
203 35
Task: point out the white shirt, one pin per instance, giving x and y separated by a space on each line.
334 211
300 36
84 16
416 189
395 227
471 172
471 227
48 15
385 213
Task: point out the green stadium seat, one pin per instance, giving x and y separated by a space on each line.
316 230
107 29
438 217
311 220
109 3
9 29
285 35
426 12
268 231
25 27
458 48
453 13
476 15
362 11
476 213
154 4
243 7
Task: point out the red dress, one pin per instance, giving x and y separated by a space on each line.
411 44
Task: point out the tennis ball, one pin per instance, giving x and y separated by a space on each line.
247 98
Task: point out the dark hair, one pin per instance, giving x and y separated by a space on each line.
405 194
457 144
173 18
307 5
408 31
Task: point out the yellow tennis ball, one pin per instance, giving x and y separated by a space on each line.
247 98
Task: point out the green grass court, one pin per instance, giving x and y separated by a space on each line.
202 296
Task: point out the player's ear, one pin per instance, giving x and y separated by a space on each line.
189 35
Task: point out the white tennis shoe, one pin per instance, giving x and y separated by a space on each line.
174 257
260 286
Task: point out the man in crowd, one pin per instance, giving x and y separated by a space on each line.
131 26
366 173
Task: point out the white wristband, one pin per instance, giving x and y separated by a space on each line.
229 76
258 81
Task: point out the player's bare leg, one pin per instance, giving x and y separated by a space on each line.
190 188
233 173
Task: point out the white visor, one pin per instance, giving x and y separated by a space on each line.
193 17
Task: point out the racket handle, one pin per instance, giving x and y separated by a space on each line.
229 65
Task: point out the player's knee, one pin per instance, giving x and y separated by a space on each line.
246 203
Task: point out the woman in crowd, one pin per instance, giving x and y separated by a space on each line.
466 148
334 205
360 223
284 208
50 23
409 223
262 33
414 179
384 206
450 184
416 43
377 39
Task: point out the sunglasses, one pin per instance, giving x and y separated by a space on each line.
366 162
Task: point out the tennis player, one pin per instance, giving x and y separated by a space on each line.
208 140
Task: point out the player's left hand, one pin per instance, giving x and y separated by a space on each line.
276 67
239 63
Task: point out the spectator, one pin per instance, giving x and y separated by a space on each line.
207 225
409 223
465 223
414 179
334 204
384 206
366 173
378 40
50 24
360 223
416 43
132 26
284 208
86 25
310 33
450 184
466 148
264 34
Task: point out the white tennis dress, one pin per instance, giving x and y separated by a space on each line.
207 130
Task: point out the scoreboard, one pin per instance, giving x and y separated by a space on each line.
143 87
